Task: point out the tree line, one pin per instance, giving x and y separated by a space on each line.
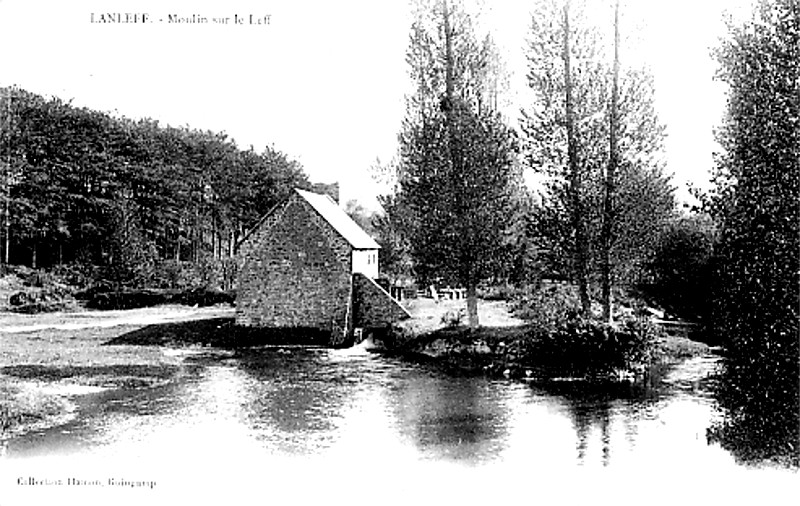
84 186
755 291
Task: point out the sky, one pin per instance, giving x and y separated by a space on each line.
324 82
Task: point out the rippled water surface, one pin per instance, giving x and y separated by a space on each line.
290 419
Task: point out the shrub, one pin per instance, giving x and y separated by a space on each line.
499 292
203 297
547 307
127 299
564 343
215 274
168 274
398 337
453 318
75 274
581 347
36 278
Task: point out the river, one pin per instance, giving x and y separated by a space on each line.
312 424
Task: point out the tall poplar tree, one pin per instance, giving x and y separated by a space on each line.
608 203
576 176
456 155
607 197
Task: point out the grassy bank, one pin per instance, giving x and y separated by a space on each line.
23 406
510 351
48 359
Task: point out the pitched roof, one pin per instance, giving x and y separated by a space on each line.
339 220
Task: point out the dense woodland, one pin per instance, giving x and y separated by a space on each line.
85 187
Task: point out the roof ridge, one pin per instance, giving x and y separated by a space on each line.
338 219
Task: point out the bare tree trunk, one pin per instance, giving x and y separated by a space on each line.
608 208
7 226
472 305
581 248
177 244
7 207
216 239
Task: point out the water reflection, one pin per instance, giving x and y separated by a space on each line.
624 424
294 399
462 419
584 418
347 404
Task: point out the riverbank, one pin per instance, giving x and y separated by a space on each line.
48 359
501 351
504 345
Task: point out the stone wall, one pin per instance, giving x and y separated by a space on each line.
372 305
294 271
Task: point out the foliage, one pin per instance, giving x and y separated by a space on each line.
41 301
210 273
361 215
446 55
72 177
564 342
453 318
391 229
547 307
132 255
762 420
459 204
642 196
456 155
679 274
581 347
132 299
36 290
756 298
77 275
528 253
504 291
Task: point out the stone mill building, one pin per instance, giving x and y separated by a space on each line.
307 266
